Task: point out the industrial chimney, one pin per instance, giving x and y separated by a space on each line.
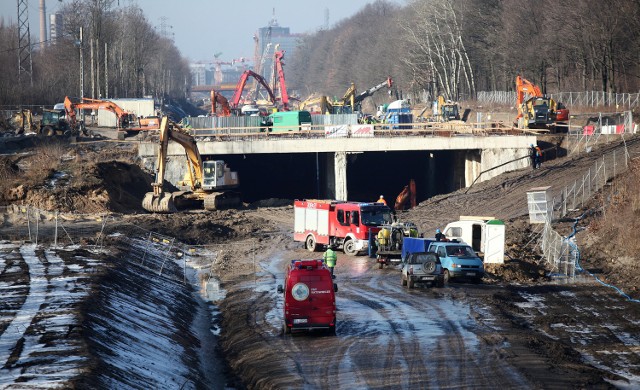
43 25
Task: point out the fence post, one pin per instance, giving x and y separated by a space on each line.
28 223
55 232
37 227
146 249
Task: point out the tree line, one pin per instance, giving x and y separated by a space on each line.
123 57
455 48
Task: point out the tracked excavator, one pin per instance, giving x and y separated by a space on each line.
209 184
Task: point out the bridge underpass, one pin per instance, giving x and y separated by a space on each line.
353 169
369 174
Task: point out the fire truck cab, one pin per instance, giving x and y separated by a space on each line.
309 297
338 223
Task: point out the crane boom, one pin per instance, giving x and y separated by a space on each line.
237 94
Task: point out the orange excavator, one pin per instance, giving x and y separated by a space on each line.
407 198
217 100
539 111
126 120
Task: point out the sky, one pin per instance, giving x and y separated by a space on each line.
201 28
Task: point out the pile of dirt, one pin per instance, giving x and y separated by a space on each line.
80 178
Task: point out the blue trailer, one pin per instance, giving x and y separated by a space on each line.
414 245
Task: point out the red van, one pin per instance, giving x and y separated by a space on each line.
309 297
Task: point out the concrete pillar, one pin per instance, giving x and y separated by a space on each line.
472 166
340 172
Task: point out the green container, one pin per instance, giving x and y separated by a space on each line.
290 121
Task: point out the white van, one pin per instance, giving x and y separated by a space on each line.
486 235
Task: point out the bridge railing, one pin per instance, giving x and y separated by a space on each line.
357 131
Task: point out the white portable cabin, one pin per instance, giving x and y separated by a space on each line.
484 234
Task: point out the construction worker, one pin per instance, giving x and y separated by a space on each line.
536 156
330 258
381 200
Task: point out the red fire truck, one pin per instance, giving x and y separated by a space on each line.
309 297
338 223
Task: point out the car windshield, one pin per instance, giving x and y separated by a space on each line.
460 251
376 216
419 258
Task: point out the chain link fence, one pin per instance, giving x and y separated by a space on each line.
160 254
569 99
562 252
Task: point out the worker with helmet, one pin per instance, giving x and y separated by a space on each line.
330 258
381 200
440 236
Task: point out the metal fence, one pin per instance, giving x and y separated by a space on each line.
28 223
562 252
569 99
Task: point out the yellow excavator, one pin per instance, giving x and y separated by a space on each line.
209 184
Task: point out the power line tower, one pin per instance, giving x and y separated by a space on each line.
25 65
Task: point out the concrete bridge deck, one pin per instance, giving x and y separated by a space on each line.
432 156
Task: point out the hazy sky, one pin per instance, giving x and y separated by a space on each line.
204 27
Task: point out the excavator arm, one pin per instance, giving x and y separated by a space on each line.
525 87
284 96
218 99
237 95
125 119
170 131
369 92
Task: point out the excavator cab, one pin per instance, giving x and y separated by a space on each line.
450 112
212 172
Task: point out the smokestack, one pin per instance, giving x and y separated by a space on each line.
43 25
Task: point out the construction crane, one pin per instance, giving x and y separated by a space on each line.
284 96
254 89
237 94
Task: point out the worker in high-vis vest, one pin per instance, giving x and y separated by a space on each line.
381 200
383 237
330 258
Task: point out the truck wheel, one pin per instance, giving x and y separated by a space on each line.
332 330
350 248
404 281
311 244
411 283
380 265
48 131
447 276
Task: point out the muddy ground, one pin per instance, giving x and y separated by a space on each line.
519 329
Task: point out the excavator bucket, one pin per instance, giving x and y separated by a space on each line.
159 204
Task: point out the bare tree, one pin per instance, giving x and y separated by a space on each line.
437 50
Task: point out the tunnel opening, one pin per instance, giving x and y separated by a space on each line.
372 174
282 176
369 175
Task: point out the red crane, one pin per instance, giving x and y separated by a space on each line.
284 96
237 95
